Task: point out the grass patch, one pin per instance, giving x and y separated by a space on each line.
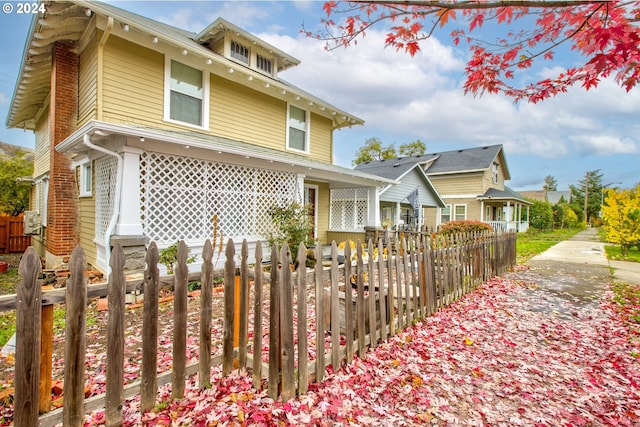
534 242
613 252
7 326
8 281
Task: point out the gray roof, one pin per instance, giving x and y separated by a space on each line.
506 194
463 160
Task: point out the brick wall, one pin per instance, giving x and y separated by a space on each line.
62 218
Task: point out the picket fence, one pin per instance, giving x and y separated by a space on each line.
386 287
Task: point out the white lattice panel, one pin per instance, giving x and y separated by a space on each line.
181 195
105 193
349 208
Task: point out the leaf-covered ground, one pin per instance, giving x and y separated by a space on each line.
508 354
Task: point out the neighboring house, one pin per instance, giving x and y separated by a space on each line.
471 183
145 131
402 205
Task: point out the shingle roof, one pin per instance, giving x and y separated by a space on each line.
463 160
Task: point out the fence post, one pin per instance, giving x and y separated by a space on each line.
75 341
46 357
28 317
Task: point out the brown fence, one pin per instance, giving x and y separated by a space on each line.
384 289
12 239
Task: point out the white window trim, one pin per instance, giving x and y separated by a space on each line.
86 172
167 94
315 206
306 132
454 213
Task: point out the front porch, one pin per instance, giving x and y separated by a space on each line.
505 210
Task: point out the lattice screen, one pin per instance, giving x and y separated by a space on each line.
105 193
349 208
180 195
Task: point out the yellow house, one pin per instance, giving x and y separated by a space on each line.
145 131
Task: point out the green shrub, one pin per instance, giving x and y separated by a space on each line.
466 226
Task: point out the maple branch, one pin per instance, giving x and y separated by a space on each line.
482 5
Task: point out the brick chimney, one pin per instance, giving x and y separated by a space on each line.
62 209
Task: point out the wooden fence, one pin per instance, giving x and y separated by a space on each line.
362 303
12 239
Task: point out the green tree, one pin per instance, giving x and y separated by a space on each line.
414 148
550 183
621 216
591 187
540 215
374 150
14 197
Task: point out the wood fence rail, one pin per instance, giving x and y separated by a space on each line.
381 289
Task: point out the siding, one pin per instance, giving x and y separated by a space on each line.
42 157
87 83
459 184
321 138
239 113
134 93
399 193
133 84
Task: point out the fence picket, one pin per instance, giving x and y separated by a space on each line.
150 310
206 290
274 325
335 309
243 316
28 318
303 353
286 326
360 304
257 322
180 290
372 296
75 340
322 320
115 343
349 321
390 282
229 305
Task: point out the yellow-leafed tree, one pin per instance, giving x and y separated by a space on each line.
621 216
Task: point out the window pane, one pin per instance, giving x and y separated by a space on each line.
297 117
296 139
185 108
461 212
186 80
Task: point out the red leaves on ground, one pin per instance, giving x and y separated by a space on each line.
507 354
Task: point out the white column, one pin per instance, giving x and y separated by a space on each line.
508 215
300 190
129 223
373 208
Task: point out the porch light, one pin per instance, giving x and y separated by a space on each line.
230 70
267 85
185 51
284 92
142 139
209 61
249 78
87 12
154 40
125 27
310 102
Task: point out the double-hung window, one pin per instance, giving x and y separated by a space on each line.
298 129
186 100
445 214
494 172
460 212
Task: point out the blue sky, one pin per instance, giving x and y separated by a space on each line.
403 99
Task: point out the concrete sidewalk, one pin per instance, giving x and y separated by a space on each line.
585 253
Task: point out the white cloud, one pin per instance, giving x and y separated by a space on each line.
4 99
422 97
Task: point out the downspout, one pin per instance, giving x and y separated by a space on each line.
100 74
116 203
